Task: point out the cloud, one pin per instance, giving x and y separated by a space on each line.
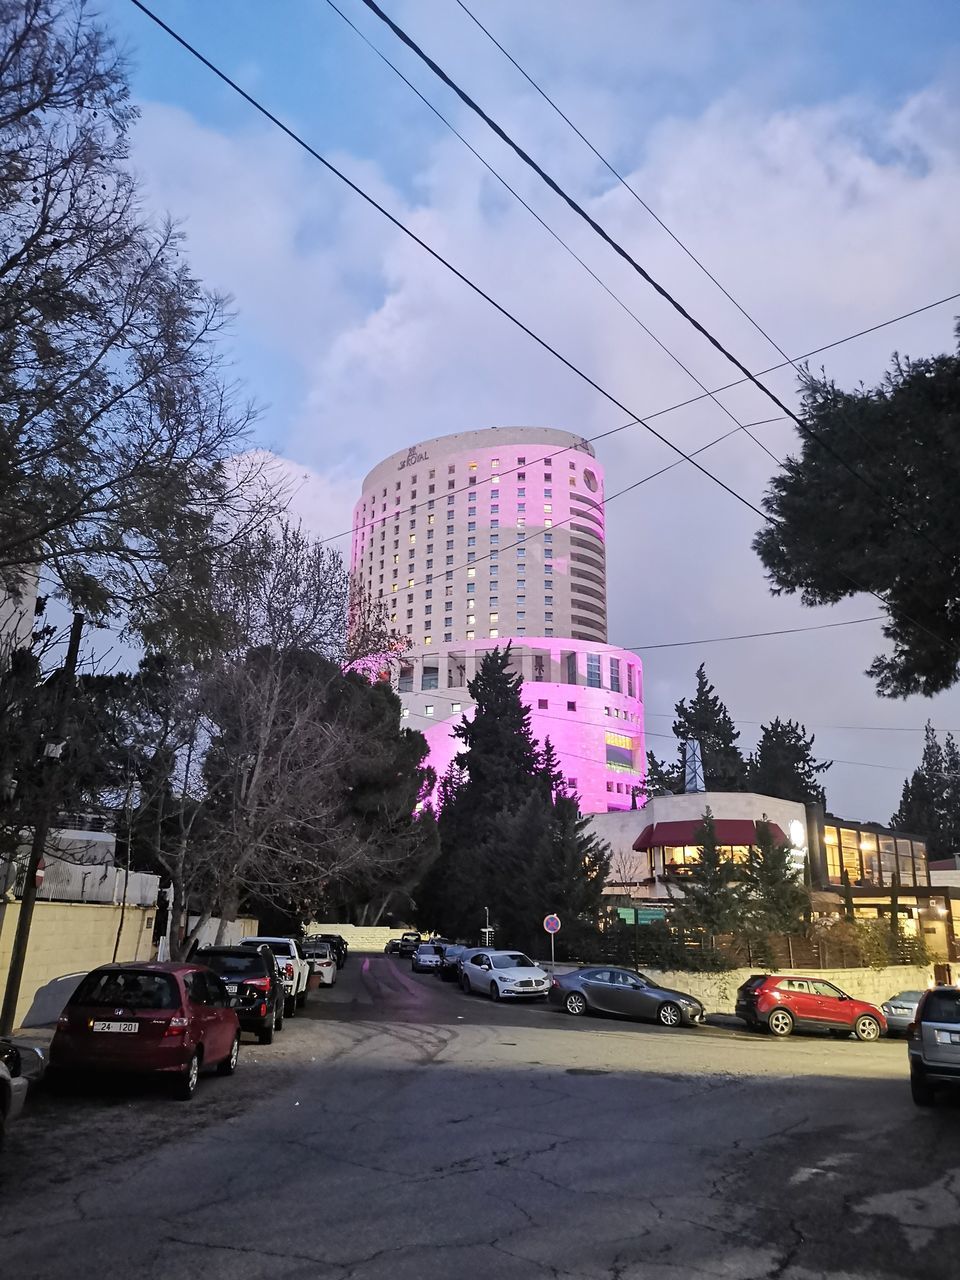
820 219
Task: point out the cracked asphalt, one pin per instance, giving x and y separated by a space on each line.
401 1129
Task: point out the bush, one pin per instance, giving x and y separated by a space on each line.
657 946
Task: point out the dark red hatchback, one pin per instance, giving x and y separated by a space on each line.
174 1018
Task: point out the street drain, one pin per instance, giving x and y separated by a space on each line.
586 1071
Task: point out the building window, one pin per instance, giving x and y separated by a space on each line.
469 635
428 639
615 675
404 712
430 678
428 608
471 573
455 707
471 542
547 493
473 466
494 538
571 669
471 556
471 588
631 687
447 637
494 633
450 545
494 617
428 709
494 508
593 670
542 704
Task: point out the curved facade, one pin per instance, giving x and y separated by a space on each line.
486 537
486 534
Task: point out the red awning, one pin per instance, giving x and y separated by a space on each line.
729 831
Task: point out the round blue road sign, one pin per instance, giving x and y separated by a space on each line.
551 923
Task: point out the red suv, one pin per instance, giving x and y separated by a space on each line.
174 1018
782 1004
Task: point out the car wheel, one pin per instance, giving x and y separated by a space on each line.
290 1007
780 1023
922 1094
278 1015
187 1083
465 984
302 999
265 1034
575 1004
669 1015
867 1028
494 992
229 1065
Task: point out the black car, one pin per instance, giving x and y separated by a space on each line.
337 944
253 977
449 970
408 944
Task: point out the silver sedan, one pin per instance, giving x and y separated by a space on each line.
900 1010
625 992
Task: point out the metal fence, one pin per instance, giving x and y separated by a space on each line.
90 882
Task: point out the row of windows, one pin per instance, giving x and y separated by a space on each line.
869 859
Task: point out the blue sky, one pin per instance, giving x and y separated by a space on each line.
807 151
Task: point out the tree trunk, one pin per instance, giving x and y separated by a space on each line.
229 908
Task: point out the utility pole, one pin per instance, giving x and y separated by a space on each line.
51 749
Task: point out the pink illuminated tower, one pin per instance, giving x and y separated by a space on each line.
482 537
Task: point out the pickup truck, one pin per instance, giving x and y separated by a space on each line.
294 967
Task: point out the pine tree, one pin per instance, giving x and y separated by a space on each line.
662 779
783 765
930 801
775 886
714 894
706 720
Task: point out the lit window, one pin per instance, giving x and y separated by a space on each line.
428 640
521 522
430 519
495 617
412 539
473 466
548 507
393 587
494 633
396 559
494 463
548 524
471 573
409 582
404 712
428 709
469 635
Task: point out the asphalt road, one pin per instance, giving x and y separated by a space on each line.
402 1129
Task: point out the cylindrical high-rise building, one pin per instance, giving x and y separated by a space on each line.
474 539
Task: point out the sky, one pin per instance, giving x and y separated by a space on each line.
807 152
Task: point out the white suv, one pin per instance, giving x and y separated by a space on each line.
503 975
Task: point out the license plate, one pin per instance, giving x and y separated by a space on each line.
232 988
125 1027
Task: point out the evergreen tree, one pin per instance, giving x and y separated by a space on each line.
663 779
777 898
783 765
714 893
706 720
930 801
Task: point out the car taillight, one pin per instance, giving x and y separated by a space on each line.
288 970
176 1027
262 984
263 1010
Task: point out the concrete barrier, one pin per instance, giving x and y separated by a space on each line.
360 937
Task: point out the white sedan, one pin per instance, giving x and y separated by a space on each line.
503 975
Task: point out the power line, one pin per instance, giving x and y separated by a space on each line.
550 231
438 257
578 209
681 404
751 635
624 183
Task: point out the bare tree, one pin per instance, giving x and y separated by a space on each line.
121 447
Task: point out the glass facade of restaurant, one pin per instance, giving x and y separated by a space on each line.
873 857
674 857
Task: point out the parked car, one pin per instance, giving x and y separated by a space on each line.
933 1047
450 957
13 1086
503 975
392 948
900 1011
426 958
293 965
783 1004
625 992
408 944
339 945
171 1018
323 960
254 977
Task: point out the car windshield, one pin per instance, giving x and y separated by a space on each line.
232 964
279 948
907 997
128 989
514 960
428 949
410 937
942 1006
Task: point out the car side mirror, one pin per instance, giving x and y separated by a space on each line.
843 997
